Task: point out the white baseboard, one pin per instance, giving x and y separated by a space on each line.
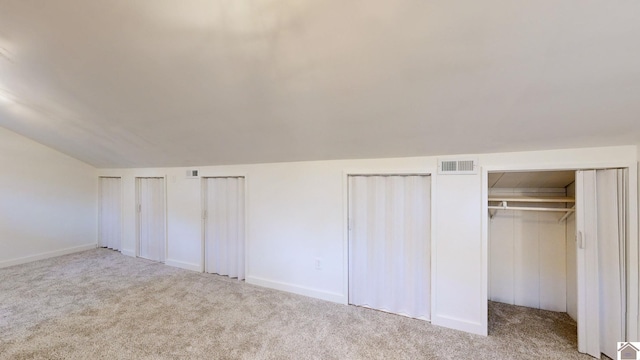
296 289
459 324
183 265
128 252
46 255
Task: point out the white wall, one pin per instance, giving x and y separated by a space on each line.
527 253
296 212
48 202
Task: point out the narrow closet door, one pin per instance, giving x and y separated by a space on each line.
601 234
224 226
109 212
389 243
151 218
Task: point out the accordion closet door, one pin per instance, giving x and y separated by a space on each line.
602 228
389 243
110 212
151 218
224 226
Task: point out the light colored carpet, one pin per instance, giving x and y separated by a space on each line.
100 304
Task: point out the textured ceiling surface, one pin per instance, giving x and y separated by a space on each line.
124 83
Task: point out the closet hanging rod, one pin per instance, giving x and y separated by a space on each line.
530 208
537 199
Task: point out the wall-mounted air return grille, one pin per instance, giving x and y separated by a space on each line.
193 174
457 167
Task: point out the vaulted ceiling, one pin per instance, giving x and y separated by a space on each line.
121 83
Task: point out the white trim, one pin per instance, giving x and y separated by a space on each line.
427 171
484 246
434 241
136 204
203 222
165 211
46 255
345 237
99 208
221 173
183 265
459 324
296 289
633 273
247 218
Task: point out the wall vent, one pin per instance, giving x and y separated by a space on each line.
193 174
458 167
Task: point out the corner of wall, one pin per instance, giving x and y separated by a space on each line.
54 188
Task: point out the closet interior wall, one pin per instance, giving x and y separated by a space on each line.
530 251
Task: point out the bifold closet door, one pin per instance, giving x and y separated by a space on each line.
224 226
151 218
110 212
601 213
389 243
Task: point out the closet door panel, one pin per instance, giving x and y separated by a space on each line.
143 220
553 281
224 227
110 212
527 280
151 219
389 243
502 264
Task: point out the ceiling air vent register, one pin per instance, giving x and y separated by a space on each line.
458 167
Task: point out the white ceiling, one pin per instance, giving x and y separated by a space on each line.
123 83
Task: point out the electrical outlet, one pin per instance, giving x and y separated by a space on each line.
318 263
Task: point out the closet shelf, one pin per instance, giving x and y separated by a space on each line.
533 199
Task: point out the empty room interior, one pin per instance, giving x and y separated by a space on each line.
271 179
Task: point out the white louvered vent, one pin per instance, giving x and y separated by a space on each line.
457 167
193 174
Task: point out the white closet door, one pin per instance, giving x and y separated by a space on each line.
224 226
110 212
151 219
389 243
601 225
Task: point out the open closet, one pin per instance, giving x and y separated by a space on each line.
531 240
532 254
558 242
